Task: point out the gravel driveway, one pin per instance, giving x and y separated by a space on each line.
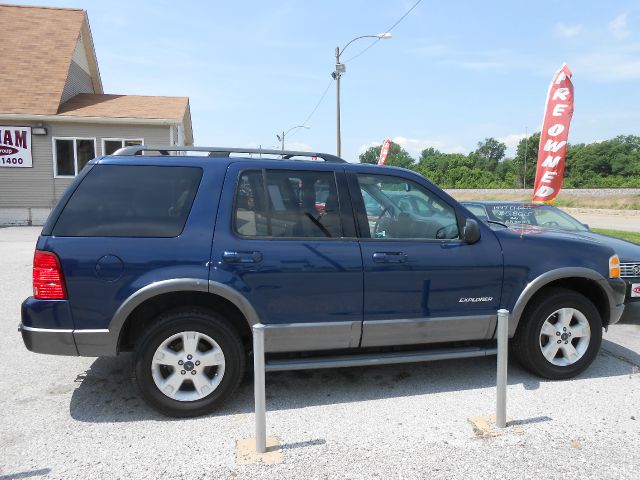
63 417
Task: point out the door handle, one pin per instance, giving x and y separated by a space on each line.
242 257
390 257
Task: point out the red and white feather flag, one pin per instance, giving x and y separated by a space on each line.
384 151
553 138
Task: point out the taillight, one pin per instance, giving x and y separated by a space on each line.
48 281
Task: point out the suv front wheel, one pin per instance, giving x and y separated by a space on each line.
560 334
188 362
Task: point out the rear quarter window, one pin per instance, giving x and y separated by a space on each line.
130 201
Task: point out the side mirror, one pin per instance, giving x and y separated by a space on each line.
471 231
586 226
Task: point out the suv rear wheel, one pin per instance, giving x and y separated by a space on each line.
560 335
188 362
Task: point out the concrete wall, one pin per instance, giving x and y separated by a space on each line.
28 194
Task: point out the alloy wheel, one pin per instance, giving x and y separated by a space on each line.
188 366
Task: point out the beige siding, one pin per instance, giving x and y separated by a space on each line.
78 81
80 55
36 187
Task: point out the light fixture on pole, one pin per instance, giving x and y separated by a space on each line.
284 134
339 71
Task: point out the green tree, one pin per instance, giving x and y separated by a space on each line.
526 156
397 156
489 152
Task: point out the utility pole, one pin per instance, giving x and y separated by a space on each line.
337 75
526 150
340 69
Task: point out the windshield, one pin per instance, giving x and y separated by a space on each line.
535 215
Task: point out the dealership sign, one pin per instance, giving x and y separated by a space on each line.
15 147
384 151
554 136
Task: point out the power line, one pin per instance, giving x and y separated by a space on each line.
403 16
324 94
388 30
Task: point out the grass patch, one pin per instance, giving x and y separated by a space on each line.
565 199
630 236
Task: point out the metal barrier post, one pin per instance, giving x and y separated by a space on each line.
258 375
503 339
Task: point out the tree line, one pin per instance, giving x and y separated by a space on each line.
607 164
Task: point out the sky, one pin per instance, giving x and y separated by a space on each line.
453 73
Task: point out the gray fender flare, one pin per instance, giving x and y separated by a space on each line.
546 278
177 285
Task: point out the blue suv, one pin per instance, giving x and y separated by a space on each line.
175 252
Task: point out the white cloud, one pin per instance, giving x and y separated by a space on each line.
568 31
623 63
511 141
501 61
415 146
298 146
618 27
367 146
430 50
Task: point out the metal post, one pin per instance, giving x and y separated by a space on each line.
526 149
338 139
258 375
282 141
503 339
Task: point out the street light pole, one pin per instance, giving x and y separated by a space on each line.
526 148
337 77
284 134
340 69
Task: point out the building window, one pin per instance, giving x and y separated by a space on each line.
70 155
110 145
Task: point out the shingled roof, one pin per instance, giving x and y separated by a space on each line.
38 52
125 106
130 106
33 76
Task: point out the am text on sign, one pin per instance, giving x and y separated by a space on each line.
15 147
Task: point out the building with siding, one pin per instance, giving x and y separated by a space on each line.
54 115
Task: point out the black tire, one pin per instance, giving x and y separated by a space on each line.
527 343
183 320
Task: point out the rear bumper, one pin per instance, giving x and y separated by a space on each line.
47 327
50 341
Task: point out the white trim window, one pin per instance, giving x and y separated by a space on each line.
110 145
71 154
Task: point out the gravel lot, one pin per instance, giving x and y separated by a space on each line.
63 417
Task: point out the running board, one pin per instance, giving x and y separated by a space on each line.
359 360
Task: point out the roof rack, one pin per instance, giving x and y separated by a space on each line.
225 152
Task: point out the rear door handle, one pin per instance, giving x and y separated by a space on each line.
390 257
242 257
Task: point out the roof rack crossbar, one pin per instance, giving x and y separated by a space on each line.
225 152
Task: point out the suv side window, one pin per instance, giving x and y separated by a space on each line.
130 201
287 204
398 208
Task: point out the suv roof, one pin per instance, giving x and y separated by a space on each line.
225 152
